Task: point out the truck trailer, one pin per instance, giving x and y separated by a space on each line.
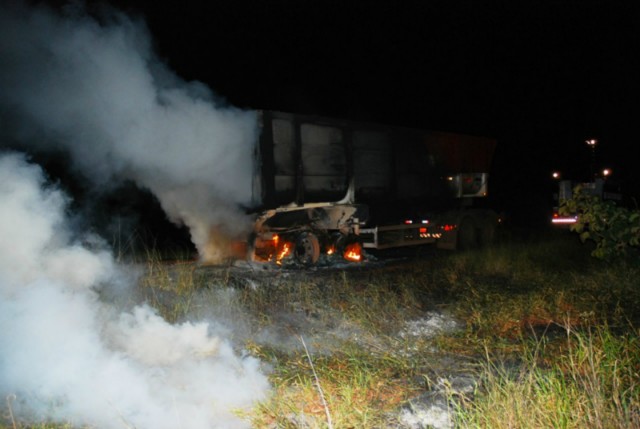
328 185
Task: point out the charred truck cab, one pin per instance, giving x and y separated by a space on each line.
333 186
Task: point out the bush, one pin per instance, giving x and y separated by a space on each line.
614 230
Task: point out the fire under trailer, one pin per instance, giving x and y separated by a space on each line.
331 186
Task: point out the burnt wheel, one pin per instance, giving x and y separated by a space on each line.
486 234
467 238
307 250
339 242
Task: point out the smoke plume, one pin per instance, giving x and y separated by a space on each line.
96 89
68 356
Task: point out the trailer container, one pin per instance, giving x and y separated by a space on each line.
328 185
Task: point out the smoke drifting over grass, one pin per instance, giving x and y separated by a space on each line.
98 91
68 356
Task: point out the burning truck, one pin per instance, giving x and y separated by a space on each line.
331 186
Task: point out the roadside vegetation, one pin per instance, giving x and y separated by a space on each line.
613 228
548 335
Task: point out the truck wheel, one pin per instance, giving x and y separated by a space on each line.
307 249
486 234
487 225
466 235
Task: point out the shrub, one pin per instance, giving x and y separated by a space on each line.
615 230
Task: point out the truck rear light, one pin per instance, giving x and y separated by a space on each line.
564 220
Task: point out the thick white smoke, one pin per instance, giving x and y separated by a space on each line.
65 355
98 90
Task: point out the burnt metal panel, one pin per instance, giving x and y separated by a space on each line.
372 164
324 162
309 159
267 166
285 160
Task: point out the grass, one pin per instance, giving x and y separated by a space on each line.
549 333
360 389
593 382
559 334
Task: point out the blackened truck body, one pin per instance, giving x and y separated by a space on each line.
327 183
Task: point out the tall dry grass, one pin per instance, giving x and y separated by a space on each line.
592 382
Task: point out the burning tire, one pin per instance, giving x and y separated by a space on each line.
307 249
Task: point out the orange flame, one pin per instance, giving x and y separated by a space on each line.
353 252
331 250
284 251
272 249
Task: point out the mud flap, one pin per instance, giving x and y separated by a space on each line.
448 241
467 237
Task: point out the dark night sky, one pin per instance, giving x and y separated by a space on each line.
540 77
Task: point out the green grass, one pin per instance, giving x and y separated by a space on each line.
360 389
592 382
559 335
550 333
